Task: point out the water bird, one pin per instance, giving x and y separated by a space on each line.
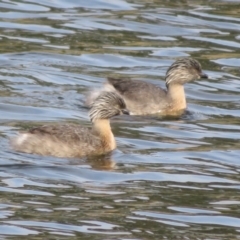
144 98
73 140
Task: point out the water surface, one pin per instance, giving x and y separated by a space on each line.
169 178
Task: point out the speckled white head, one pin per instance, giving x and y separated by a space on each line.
184 70
107 105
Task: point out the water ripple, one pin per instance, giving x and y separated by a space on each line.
175 178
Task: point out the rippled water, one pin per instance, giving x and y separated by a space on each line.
169 178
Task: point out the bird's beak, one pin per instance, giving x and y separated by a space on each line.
203 75
125 111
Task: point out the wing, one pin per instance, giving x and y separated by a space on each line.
64 132
138 91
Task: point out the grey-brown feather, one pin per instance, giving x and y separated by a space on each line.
146 98
72 140
182 71
62 140
107 105
139 93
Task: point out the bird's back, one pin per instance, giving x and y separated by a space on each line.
67 140
140 97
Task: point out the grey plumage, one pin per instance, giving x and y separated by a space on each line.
107 105
146 98
184 70
72 140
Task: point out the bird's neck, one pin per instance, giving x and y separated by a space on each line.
103 129
176 94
